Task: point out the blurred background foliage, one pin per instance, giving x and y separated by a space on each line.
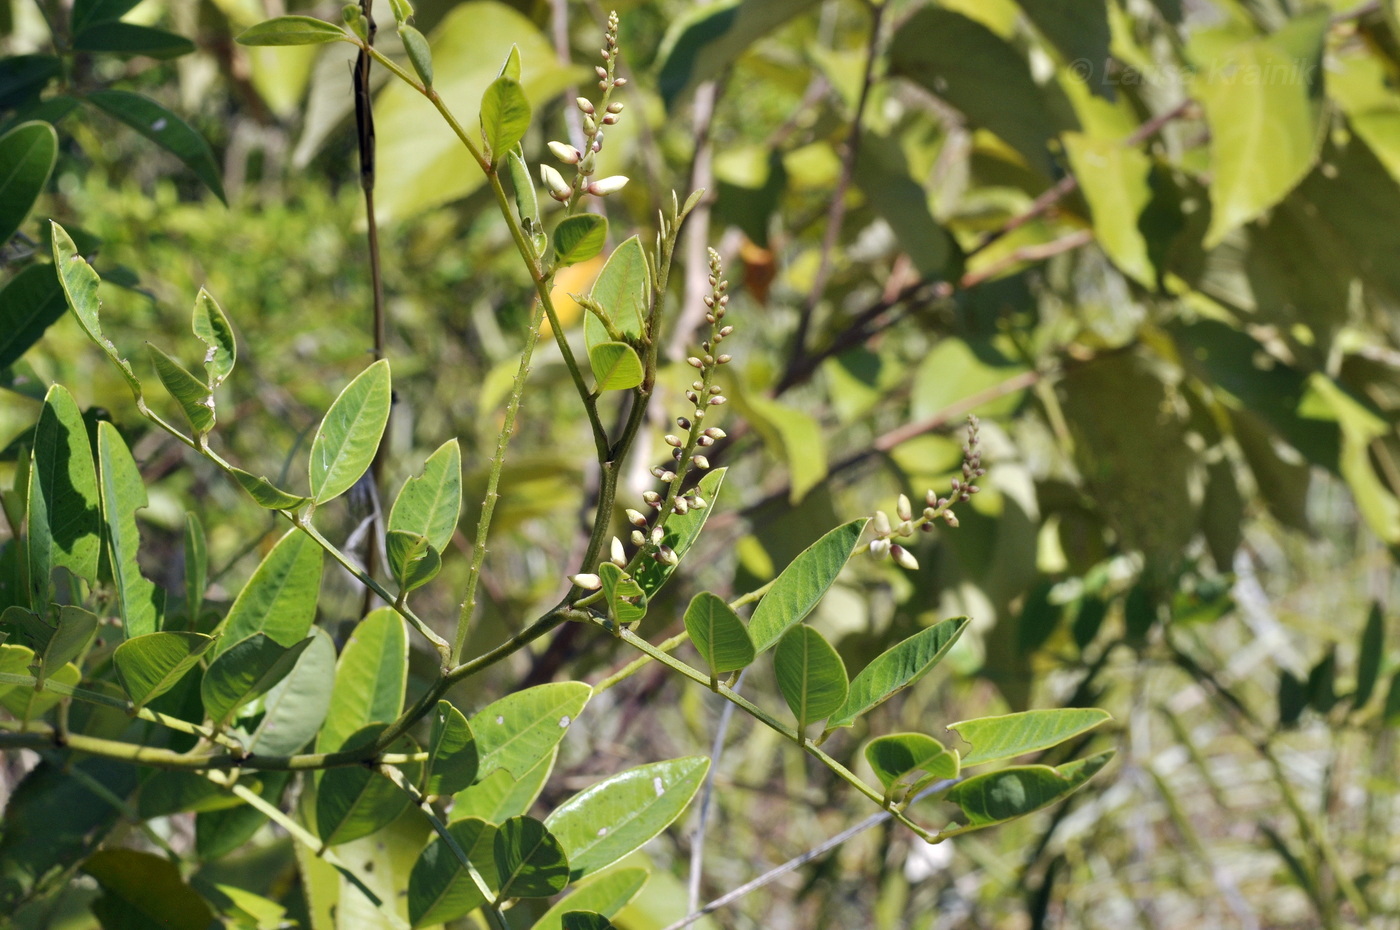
1151 244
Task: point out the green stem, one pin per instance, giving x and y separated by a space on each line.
488 504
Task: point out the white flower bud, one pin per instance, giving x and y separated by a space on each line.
619 555
882 524
879 548
950 518
673 440
700 461
680 507
904 558
714 432
636 519
559 189
694 362
609 185
587 582
565 152
698 503
657 534
905 528
638 539
904 508
585 105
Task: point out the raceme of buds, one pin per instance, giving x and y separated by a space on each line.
559 189
605 186
565 152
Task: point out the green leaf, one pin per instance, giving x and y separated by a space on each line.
195 399
503 794
212 328
246 670
899 755
1115 179
292 30
143 890
702 44
681 532
349 435
123 493
996 797
1079 29
28 153
517 731
997 738
718 633
883 174
529 860
431 504
793 434
579 238
420 54
606 895
623 290
80 287
218 833
505 115
973 69
615 366
354 801
1370 653
131 39
295 708
164 128
897 668
523 186
626 601
1262 106
30 302
811 675
412 559
586 920
369 678
510 68
279 599
265 492
196 566
802 584
452 752
172 792
151 664
64 515
26 701
440 889
603 823
75 630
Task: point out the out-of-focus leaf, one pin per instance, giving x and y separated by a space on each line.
124 493
28 153
975 70
151 664
996 797
1079 29
793 434
882 172
144 890
1262 105
897 668
810 675
603 823
349 434
802 584
1115 180
279 598
700 45
1369 654
131 39
718 633
997 738
165 129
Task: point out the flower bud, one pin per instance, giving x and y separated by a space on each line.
714 432
673 440
694 362
585 105
619 555
950 518
587 582
904 508
565 152
651 497
636 519
638 538
698 503
680 507
879 548
657 534
717 400
882 523
904 558
700 461
609 185
559 189
620 82
615 107
725 359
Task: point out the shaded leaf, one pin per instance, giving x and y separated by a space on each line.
718 633
370 678
218 833
517 731
452 751
530 861
702 44
266 493
246 670
996 797
801 585
88 12
151 664
810 675
170 791
131 39
30 302
897 668
1369 655
440 888
603 823
623 290
899 755
606 895
412 559
196 566
626 601
71 636
1079 29
295 708
586 920
616 366
430 504
883 174
164 128
996 738
579 238
354 800
349 434
420 55
144 890
28 153
193 395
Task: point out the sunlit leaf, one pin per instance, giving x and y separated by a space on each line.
431 503
606 895
996 797
578 238
801 585
897 668
151 664
124 493
681 532
996 738
616 366
517 731
279 598
369 678
505 115
718 633
295 708
212 328
626 601
810 675
349 434
64 516
292 30
195 399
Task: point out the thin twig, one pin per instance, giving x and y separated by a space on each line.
707 791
